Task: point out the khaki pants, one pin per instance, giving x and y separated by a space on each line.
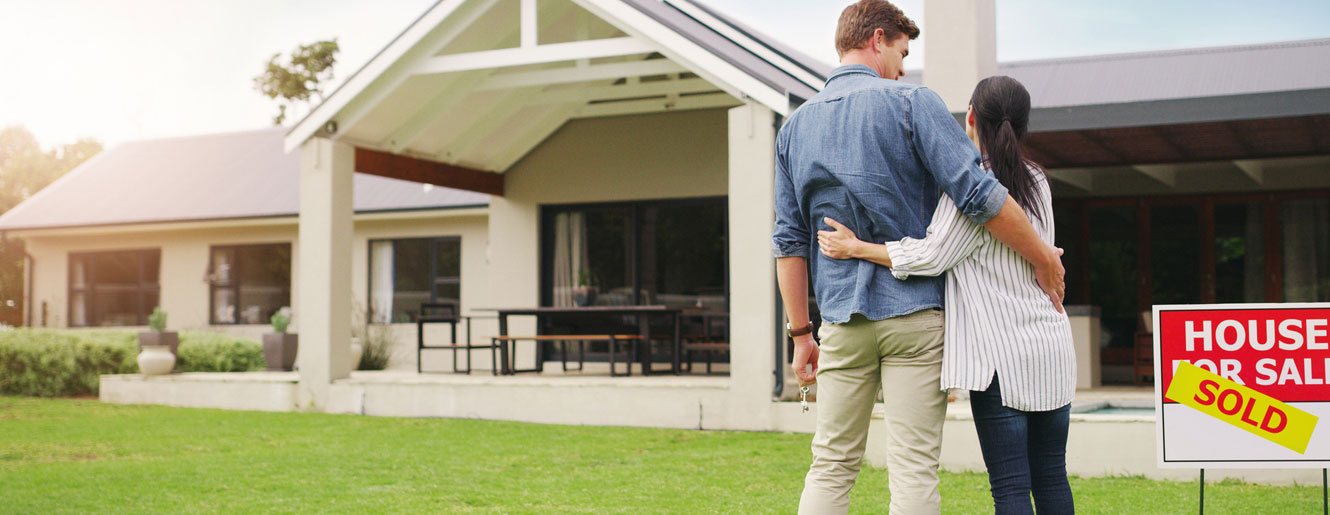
903 356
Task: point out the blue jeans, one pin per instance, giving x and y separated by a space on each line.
1025 452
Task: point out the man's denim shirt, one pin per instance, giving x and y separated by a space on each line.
873 154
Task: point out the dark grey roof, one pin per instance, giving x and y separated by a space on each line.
735 53
1175 86
812 65
218 176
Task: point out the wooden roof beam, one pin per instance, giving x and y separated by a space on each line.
384 164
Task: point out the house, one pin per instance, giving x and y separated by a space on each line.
206 226
629 144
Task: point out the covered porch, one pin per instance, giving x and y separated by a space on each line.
625 146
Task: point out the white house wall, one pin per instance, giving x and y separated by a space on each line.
184 263
659 156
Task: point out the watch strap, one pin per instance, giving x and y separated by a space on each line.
795 332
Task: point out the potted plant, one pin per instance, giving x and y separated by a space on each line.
585 292
279 346
157 347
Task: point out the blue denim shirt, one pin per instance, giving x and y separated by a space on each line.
873 154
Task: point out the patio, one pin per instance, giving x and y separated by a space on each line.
590 397
1098 445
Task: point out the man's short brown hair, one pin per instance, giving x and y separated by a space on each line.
859 21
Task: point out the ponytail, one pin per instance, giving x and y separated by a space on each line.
1002 111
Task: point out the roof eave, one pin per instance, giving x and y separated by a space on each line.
363 78
254 221
1281 104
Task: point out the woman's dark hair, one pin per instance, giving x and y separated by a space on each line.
1002 116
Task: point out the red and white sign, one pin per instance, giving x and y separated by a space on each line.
1279 350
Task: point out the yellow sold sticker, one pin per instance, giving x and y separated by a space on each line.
1243 407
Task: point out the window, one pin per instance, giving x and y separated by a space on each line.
249 282
671 253
1306 249
116 288
405 273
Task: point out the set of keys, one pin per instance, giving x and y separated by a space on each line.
803 389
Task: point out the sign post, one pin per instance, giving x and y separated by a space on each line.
1242 386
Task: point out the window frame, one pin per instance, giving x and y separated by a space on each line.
434 282
634 207
89 290
236 277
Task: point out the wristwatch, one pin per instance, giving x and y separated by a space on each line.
807 329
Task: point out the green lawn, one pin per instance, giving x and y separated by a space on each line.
81 456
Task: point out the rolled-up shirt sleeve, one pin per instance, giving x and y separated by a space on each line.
790 237
951 158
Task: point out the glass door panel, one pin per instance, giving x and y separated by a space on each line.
1306 249
1112 272
1239 248
1175 254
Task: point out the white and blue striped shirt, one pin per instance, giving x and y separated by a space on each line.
998 320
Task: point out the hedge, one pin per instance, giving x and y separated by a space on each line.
55 363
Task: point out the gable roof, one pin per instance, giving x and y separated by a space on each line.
740 60
785 69
210 177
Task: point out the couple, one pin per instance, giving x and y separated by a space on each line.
881 160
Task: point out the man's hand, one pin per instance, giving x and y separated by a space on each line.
805 353
1051 279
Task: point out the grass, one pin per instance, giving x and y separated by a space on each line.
82 456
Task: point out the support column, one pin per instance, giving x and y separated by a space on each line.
961 41
324 268
753 319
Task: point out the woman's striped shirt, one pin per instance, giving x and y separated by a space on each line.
998 319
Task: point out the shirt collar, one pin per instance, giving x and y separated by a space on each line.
851 69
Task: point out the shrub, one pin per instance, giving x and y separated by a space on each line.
213 352
280 320
47 363
53 363
378 347
157 320
376 340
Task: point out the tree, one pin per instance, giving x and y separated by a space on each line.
24 170
301 78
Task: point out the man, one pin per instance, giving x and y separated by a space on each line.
875 154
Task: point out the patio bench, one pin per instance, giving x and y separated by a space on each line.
564 339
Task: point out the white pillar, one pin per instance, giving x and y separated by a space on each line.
324 268
961 41
752 149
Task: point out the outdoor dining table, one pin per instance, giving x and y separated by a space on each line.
643 315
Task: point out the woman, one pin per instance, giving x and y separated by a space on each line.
1004 340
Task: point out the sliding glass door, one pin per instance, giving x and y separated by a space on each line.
1125 255
661 252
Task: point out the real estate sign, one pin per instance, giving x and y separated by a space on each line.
1242 385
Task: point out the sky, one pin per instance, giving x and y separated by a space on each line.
138 69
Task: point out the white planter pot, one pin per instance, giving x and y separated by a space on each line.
156 360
